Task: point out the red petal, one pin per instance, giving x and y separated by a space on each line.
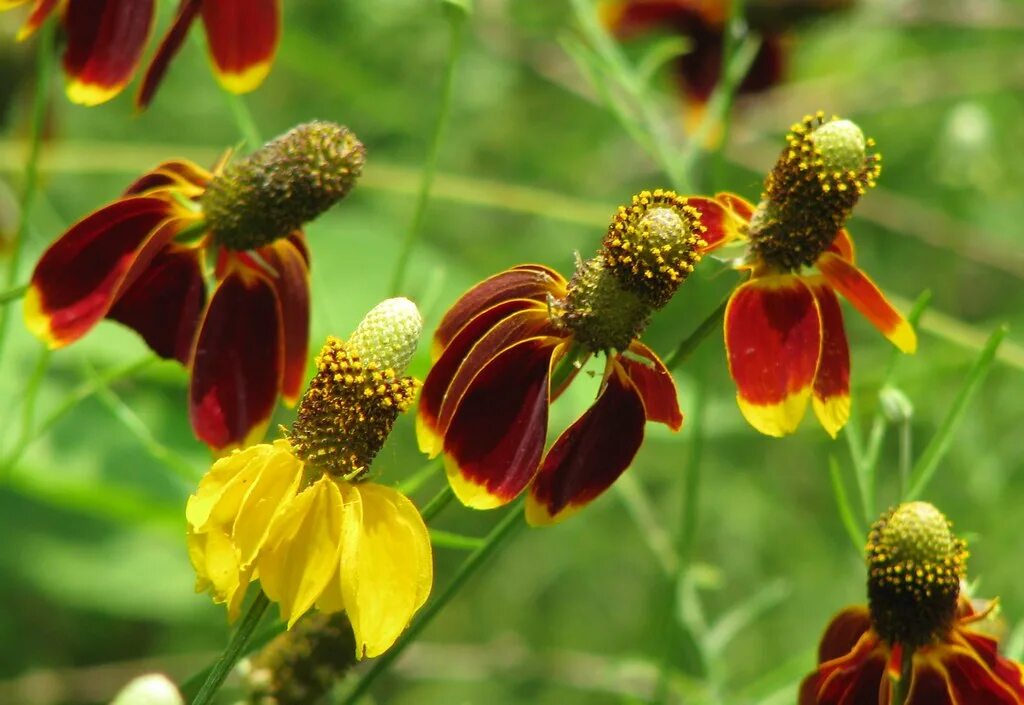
1009 672
236 363
723 225
178 174
855 679
476 343
78 277
741 207
105 43
655 384
165 302
832 381
591 454
526 282
773 340
496 437
292 287
930 687
843 633
243 37
857 288
168 49
42 10
843 246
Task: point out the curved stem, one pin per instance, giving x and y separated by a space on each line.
457 16
512 521
689 344
230 657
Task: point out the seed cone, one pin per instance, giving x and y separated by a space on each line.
283 185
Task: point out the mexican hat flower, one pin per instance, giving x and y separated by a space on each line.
106 38
301 515
142 261
784 333
918 626
512 343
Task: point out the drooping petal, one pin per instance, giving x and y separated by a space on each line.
526 282
40 12
741 208
723 224
77 278
479 340
857 288
165 302
589 455
843 633
972 681
222 488
237 363
291 283
655 384
930 687
242 37
215 560
986 648
105 43
831 399
843 246
386 567
168 49
181 176
302 550
773 341
268 495
852 679
494 443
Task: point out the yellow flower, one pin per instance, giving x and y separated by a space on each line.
299 516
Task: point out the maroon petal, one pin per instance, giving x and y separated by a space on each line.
292 286
843 633
655 384
525 282
77 279
243 37
496 437
105 43
591 454
168 49
237 363
165 302
178 174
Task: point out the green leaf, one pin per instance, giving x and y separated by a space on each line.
660 53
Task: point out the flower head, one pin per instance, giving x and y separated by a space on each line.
142 261
512 343
918 617
784 332
105 41
300 514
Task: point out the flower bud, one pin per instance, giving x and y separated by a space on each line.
150 689
915 565
283 185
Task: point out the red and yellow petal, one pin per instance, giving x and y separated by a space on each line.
588 457
165 303
655 384
857 288
843 246
854 678
171 43
831 398
843 633
477 342
291 283
237 363
929 687
243 36
41 10
971 680
773 341
105 43
77 279
533 282
494 443
723 216
178 175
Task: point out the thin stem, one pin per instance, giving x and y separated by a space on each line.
511 522
698 336
244 120
233 652
44 71
13 294
906 454
901 688
456 22
438 502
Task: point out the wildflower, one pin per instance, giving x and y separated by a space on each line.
141 261
500 352
784 332
300 514
918 625
105 41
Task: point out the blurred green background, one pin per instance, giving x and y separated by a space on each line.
95 585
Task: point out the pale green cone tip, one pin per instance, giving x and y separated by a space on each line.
150 689
388 334
841 144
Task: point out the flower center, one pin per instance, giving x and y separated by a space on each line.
811 191
915 565
282 186
358 392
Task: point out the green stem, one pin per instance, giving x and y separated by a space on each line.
230 657
512 521
44 71
13 294
456 20
901 688
698 336
437 503
244 120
